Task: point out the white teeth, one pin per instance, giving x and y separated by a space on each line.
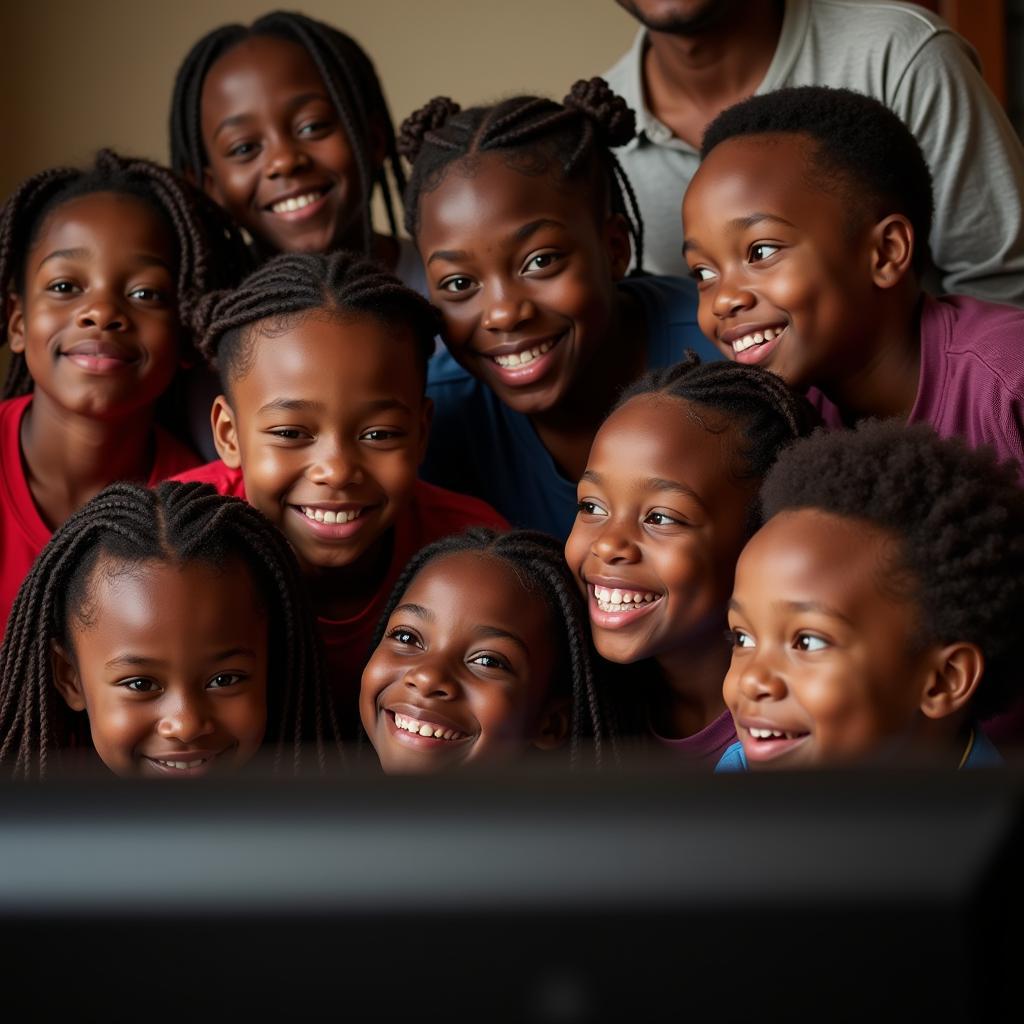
622 600
757 338
291 205
771 734
181 764
524 358
418 728
322 516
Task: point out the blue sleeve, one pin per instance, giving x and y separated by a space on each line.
733 760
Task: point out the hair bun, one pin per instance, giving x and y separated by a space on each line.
607 110
429 118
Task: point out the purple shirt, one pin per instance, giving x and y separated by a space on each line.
972 375
706 746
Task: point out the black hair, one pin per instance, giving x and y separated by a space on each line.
176 523
858 140
958 517
769 413
292 284
539 564
533 135
352 86
210 252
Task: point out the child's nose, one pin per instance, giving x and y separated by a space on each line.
732 297
615 544
185 721
430 680
285 157
103 312
759 680
507 310
336 466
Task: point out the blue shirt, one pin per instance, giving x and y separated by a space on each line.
481 447
980 753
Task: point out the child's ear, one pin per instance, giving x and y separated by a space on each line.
426 418
225 432
956 673
620 248
15 316
66 678
553 727
892 250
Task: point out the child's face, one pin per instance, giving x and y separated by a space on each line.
279 160
98 320
783 273
524 272
329 424
823 648
464 671
662 520
170 663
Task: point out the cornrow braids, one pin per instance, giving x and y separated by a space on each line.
957 516
770 413
533 135
176 523
539 564
294 283
210 251
350 80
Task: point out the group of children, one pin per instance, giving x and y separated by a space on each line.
805 553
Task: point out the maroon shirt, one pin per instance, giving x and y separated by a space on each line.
705 747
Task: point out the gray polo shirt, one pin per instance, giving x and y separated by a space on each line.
928 75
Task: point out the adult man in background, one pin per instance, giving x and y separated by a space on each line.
693 58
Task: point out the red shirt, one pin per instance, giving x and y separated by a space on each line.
432 513
23 534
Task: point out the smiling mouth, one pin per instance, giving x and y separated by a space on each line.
526 357
758 338
429 730
762 735
295 203
622 601
321 515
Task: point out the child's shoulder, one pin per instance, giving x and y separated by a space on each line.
440 512
733 760
223 478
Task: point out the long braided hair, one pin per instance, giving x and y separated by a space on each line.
176 523
293 283
768 413
210 251
540 566
534 135
350 80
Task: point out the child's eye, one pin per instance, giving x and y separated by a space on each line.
489 661
702 274
663 519
147 295
286 433
139 685
312 127
242 149
542 261
810 643
761 251
457 284
223 679
739 638
63 287
404 636
381 434
587 507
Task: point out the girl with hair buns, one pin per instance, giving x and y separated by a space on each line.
526 225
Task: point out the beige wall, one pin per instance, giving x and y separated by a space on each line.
80 74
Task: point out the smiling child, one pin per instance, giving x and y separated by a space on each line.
806 228
522 217
480 657
284 123
667 501
99 267
877 611
177 621
322 425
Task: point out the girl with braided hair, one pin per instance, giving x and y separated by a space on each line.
667 501
481 655
321 425
526 223
176 619
284 123
100 268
